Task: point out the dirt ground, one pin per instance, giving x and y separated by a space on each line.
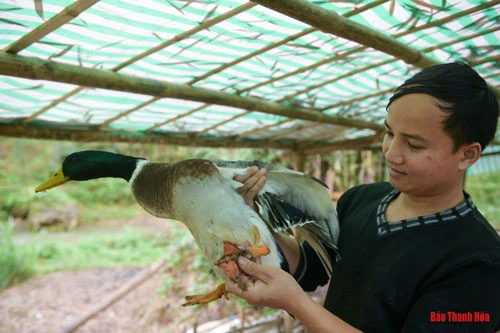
50 303
53 302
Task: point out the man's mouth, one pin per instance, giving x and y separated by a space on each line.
395 172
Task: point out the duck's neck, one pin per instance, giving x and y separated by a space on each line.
129 167
140 163
126 167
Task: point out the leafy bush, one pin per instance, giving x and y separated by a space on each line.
485 192
15 202
15 264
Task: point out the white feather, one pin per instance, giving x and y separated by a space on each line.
220 216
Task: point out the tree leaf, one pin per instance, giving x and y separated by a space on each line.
39 8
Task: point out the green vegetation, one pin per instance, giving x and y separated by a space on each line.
485 191
45 253
26 163
128 247
15 264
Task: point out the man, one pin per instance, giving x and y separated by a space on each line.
417 255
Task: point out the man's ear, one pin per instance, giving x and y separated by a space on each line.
470 153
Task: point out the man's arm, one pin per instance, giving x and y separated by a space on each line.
276 288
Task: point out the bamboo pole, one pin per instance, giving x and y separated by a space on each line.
180 116
359 49
228 120
77 8
330 22
388 61
325 61
49 26
350 144
236 61
186 34
360 98
332 132
267 48
262 128
92 134
294 131
55 102
124 290
39 69
126 113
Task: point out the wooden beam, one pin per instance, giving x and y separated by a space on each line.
294 131
324 61
48 26
55 102
176 39
187 34
265 49
124 289
126 113
262 128
349 144
359 49
330 22
360 98
39 69
93 134
180 116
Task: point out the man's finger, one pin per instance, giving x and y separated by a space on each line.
250 172
252 269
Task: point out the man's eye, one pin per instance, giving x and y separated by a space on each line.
413 146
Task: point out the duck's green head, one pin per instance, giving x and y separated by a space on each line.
91 164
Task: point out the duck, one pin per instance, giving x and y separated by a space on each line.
203 195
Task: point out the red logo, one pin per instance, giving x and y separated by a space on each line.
459 317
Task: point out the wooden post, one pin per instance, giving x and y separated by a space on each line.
300 161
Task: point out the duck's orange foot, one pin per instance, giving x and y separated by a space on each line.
228 261
213 295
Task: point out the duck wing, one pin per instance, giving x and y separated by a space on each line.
292 200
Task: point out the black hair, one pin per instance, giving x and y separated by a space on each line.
471 106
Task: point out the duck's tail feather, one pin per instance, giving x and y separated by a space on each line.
308 233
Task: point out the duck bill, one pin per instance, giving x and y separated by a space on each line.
57 179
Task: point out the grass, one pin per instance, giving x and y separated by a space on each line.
47 252
128 247
43 253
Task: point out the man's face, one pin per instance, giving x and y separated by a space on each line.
419 153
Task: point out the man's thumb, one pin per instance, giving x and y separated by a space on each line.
248 267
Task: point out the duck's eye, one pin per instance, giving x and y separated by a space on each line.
74 159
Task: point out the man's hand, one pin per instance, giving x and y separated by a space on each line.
253 181
271 287
276 288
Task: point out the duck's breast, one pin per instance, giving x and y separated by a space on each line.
215 212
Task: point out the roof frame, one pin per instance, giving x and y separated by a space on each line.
276 134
